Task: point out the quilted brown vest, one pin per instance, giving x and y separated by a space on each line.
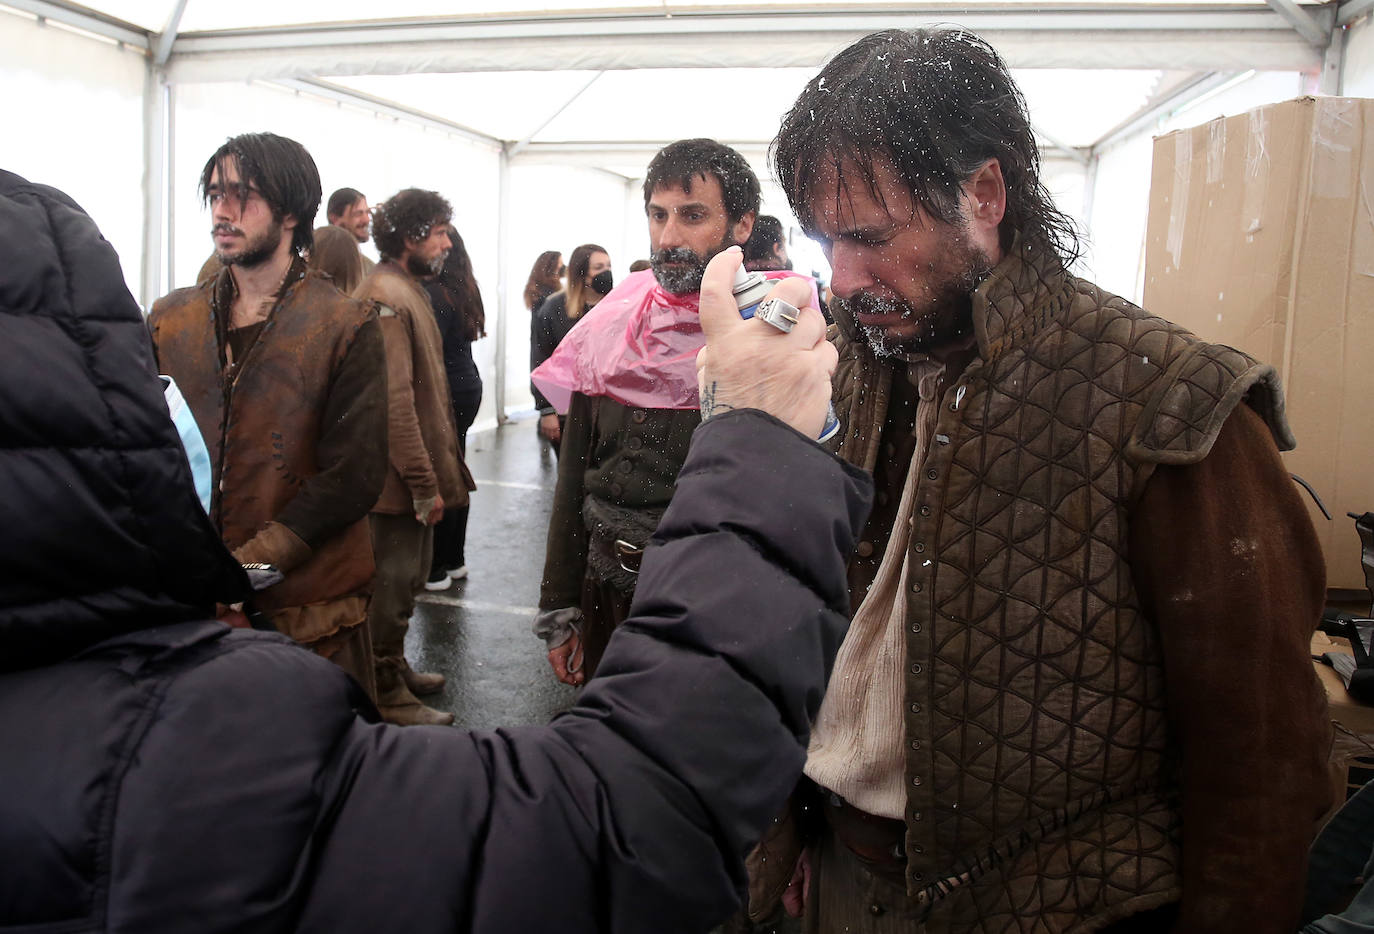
262 426
1041 793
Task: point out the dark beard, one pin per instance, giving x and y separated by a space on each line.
687 278
256 251
947 324
947 318
421 269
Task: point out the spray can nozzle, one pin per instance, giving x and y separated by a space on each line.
749 289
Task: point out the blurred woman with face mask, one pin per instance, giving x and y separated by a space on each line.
589 278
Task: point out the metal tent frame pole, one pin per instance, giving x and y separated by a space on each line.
157 144
155 110
502 280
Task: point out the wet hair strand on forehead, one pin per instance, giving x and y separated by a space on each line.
935 105
281 170
681 163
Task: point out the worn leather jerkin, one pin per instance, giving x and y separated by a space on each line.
1040 789
267 410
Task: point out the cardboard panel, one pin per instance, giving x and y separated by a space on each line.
1261 236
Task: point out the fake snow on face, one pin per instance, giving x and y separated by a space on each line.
678 270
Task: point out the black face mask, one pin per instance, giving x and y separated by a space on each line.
602 282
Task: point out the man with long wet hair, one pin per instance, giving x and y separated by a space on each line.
1076 692
286 378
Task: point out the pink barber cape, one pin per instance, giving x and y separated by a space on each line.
638 345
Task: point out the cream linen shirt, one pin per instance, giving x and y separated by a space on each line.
856 745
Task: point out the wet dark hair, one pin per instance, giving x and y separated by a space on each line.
681 162
458 287
759 246
543 278
936 104
340 201
407 215
282 172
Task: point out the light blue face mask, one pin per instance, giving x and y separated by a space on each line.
197 455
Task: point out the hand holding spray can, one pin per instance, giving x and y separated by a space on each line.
751 295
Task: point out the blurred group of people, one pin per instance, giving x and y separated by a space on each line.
334 395
164 772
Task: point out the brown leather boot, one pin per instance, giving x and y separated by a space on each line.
397 704
421 682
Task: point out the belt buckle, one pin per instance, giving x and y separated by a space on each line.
623 550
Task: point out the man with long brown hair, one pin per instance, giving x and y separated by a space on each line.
286 378
1076 693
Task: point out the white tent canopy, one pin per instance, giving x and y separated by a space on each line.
536 119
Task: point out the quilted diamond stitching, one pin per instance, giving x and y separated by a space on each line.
1041 713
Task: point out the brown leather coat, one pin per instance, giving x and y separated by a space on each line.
288 486
423 441
1042 786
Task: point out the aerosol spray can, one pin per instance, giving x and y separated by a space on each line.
750 291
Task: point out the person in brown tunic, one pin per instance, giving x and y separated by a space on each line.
426 473
1076 692
286 378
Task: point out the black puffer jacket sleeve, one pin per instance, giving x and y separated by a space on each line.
633 811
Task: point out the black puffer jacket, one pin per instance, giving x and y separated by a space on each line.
159 772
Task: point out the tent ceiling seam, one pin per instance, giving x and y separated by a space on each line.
1259 16
515 150
345 95
69 14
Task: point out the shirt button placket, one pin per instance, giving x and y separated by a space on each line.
918 689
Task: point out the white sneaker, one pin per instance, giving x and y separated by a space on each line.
458 574
440 582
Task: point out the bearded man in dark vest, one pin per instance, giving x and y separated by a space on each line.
1076 692
286 377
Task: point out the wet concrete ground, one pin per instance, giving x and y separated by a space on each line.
477 632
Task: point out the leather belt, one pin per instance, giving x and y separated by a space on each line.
878 841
